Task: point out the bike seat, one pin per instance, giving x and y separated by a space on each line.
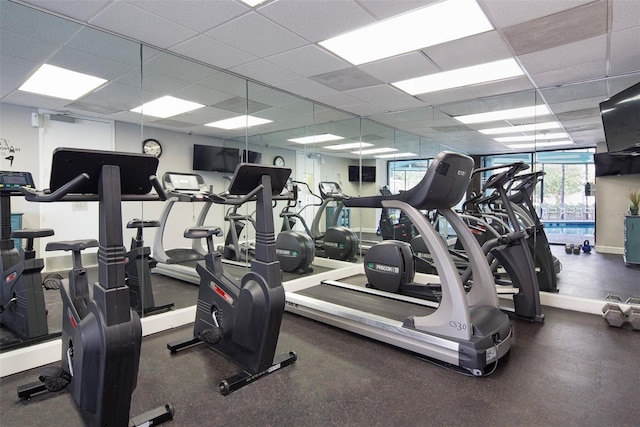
139 223
31 234
72 245
202 232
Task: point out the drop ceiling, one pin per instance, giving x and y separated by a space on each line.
575 54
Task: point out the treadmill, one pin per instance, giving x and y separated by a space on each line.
466 329
180 263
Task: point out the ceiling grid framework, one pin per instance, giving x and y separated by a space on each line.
557 42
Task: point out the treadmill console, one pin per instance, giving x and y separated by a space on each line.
331 190
185 184
11 181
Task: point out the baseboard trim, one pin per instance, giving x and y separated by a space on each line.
609 250
33 356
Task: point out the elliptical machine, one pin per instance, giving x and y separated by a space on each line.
295 250
138 271
241 318
102 335
337 242
233 249
22 305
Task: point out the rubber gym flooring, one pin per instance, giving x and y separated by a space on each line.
573 370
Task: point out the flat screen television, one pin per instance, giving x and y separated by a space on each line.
249 156
215 159
368 174
607 164
621 120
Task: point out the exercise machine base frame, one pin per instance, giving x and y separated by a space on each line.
241 379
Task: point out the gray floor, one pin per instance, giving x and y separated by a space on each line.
571 370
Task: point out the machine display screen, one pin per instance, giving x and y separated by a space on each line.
16 179
184 182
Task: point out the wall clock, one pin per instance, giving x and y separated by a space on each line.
278 161
152 146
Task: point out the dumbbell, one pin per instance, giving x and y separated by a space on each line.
614 315
633 316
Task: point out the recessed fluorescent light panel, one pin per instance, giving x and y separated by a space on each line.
521 128
312 139
59 82
375 151
515 113
252 3
523 138
238 122
428 26
349 146
167 106
539 144
395 155
483 73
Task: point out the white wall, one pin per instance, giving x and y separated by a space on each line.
611 207
16 130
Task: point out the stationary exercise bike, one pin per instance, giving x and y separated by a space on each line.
233 249
241 318
138 271
101 334
22 305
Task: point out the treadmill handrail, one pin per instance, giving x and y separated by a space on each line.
443 186
66 194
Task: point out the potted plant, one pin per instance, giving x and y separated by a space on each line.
634 198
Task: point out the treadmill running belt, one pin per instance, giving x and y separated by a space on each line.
373 304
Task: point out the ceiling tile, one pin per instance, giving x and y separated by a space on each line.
112 98
558 29
82 10
124 18
473 50
626 14
199 15
14 72
116 48
626 43
307 88
210 51
401 67
178 68
624 64
516 84
383 9
503 13
257 35
445 96
377 94
201 94
36 25
349 78
82 62
308 60
574 73
338 99
265 72
317 20
559 57
21 46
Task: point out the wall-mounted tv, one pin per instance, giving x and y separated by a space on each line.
215 159
621 120
368 174
607 164
249 156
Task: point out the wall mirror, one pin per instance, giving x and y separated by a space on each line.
137 74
